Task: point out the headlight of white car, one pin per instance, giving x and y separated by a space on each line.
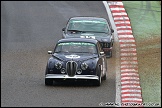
84 66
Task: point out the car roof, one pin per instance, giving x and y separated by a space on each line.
90 40
88 18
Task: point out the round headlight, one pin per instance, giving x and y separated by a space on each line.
58 65
84 66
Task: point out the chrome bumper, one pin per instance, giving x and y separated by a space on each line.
60 76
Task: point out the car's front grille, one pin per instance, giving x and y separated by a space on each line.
105 44
71 68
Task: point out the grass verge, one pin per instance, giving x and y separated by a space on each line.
145 18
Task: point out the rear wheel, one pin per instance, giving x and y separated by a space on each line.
48 82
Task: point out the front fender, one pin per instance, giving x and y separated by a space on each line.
50 63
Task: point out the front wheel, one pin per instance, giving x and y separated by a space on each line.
104 77
109 54
98 82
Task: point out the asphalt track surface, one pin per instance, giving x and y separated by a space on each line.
28 30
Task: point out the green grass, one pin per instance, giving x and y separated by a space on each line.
145 18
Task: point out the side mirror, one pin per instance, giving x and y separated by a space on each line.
63 29
102 53
112 31
49 52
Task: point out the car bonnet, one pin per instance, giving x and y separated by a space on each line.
98 36
74 56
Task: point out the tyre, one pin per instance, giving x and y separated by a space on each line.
109 54
48 82
112 43
104 77
98 82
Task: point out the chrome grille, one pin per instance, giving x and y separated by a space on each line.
71 68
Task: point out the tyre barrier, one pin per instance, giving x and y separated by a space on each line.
131 94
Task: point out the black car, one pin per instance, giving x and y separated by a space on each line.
76 59
91 27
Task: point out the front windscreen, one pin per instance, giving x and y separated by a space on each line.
76 47
89 26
